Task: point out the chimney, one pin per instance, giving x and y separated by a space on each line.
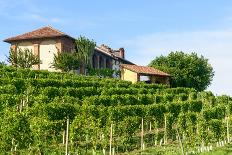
122 52
106 48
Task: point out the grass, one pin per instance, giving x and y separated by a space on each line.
175 150
226 150
159 150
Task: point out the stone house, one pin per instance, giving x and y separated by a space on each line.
47 41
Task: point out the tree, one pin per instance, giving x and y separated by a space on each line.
80 58
85 49
66 61
23 58
187 70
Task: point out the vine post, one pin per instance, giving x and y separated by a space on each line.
150 127
142 144
227 129
181 145
111 135
227 121
66 145
64 137
165 129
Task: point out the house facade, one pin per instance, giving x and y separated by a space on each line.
47 41
43 42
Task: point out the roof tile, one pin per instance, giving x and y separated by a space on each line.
144 70
44 32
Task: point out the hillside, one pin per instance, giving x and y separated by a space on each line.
35 107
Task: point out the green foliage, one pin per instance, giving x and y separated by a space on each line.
23 58
217 128
60 111
187 70
15 131
35 105
66 61
84 50
102 72
79 58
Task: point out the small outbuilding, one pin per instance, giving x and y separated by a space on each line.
136 73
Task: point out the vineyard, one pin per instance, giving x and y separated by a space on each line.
50 113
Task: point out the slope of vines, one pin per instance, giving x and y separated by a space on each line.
35 106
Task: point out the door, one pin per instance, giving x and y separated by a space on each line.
47 51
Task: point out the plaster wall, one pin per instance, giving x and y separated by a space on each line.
128 75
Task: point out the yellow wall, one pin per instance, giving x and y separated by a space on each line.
129 75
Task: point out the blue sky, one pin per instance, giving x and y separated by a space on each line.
145 29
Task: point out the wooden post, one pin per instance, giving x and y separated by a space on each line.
13 143
150 127
161 141
15 149
21 106
142 135
181 146
156 135
94 153
66 146
165 129
111 132
227 129
64 136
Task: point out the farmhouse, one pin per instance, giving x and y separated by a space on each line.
45 42
136 73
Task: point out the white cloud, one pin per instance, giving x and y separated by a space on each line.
214 45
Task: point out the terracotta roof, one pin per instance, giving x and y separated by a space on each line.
44 32
144 70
